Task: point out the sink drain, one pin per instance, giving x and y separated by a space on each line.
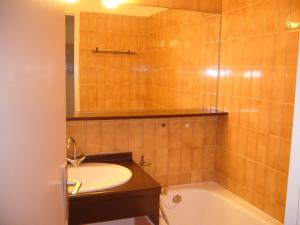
177 199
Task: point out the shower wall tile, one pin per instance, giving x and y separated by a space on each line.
212 6
257 87
112 82
183 54
180 150
176 67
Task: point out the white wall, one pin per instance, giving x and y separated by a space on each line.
293 196
32 112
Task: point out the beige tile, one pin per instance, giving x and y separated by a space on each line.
186 160
161 161
242 141
121 140
284 155
287 120
279 212
269 207
281 189
161 133
208 158
196 159
254 114
252 145
259 178
175 133
249 174
173 179
258 200
240 170
187 128
210 133
264 118
136 135
174 160
185 178
276 118
149 127
278 89
271 183
266 84
262 148
290 83
273 152
244 112
198 133
107 136
93 137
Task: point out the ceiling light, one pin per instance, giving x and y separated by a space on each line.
112 4
71 1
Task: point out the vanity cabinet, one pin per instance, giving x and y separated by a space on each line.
138 197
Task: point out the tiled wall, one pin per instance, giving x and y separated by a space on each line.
179 150
211 6
257 85
183 54
176 66
112 82
259 43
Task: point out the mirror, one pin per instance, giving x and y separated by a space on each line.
140 58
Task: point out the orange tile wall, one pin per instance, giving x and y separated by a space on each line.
176 50
183 50
258 70
180 150
257 84
211 6
112 82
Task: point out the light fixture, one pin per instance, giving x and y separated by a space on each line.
294 25
112 4
71 1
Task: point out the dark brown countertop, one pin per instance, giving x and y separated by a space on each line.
145 114
139 182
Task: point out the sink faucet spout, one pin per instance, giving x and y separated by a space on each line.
75 160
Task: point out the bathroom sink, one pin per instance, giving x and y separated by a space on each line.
98 176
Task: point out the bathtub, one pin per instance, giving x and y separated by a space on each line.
210 204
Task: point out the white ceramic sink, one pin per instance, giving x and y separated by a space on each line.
99 176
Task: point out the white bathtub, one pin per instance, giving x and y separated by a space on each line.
211 204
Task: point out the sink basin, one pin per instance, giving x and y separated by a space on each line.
99 176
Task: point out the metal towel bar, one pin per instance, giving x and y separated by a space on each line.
129 52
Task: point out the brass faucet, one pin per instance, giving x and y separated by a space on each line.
75 160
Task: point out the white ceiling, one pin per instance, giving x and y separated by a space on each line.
124 9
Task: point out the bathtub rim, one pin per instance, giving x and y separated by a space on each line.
229 197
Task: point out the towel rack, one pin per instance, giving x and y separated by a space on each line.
114 52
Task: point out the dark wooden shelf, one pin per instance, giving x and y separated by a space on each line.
145 114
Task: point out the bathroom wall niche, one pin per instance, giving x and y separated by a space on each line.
141 58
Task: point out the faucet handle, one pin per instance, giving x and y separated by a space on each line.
76 161
81 158
71 161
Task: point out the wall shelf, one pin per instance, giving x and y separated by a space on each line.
145 114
